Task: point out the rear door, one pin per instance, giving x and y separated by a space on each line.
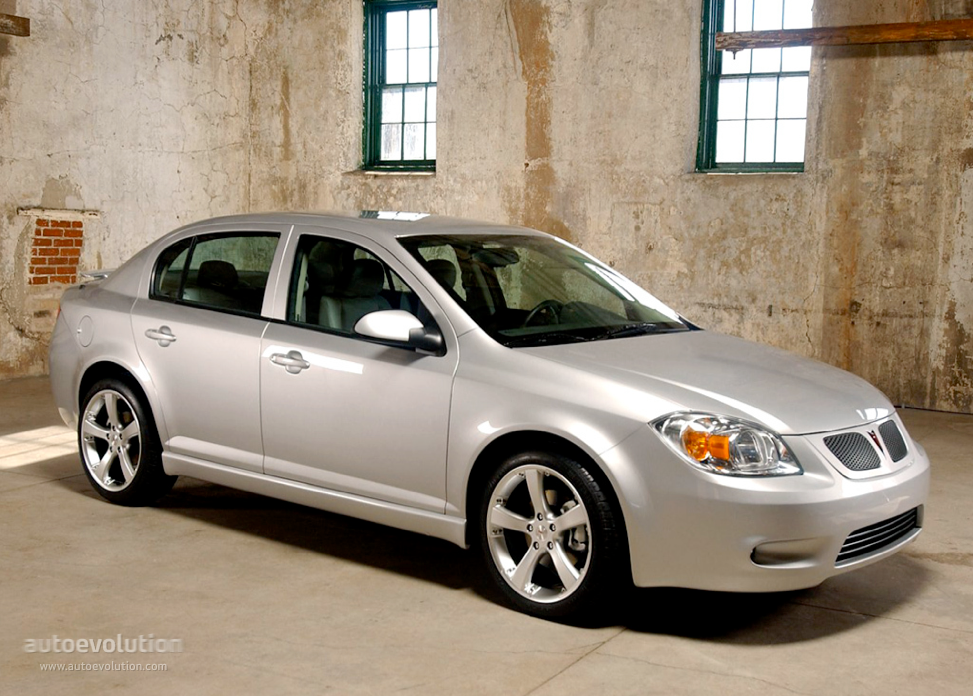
198 335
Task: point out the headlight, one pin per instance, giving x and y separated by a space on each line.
724 445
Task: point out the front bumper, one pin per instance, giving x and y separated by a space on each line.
689 528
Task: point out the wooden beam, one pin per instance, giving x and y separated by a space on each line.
905 32
15 26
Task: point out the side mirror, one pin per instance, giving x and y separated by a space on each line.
398 327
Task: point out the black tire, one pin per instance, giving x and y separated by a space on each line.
593 551
120 449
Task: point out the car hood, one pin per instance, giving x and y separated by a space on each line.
706 371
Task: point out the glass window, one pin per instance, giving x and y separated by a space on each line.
227 272
335 283
754 102
401 66
526 290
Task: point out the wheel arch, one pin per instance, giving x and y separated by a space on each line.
515 442
108 369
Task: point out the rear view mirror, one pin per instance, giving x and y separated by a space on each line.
398 327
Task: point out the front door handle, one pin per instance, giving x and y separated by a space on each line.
163 335
293 362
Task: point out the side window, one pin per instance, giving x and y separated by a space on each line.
336 283
227 272
169 270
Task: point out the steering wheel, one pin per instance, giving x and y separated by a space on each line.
553 307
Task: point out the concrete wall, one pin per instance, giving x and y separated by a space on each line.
578 117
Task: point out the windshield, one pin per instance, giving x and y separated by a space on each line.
528 291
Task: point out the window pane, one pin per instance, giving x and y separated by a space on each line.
729 141
431 104
418 28
415 104
790 140
732 102
418 65
392 142
797 14
762 98
766 60
395 36
392 105
415 141
434 65
738 16
760 141
435 27
767 14
395 62
797 59
230 272
430 141
738 64
792 97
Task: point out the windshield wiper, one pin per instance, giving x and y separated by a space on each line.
642 328
543 339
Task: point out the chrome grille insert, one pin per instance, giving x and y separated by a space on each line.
854 451
894 443
876 537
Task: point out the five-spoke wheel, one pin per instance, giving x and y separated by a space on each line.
110 440
119 446
548 533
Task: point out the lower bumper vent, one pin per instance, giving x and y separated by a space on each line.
875 537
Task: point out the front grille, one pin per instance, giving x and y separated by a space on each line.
875 537
894 443
854 451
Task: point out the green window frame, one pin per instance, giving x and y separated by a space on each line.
753 105
401 73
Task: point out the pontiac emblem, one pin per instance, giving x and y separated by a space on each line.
878 443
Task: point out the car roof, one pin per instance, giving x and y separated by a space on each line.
377 225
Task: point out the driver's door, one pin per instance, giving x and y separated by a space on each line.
344 413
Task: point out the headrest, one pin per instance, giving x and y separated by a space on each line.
444 271
367 278
216 274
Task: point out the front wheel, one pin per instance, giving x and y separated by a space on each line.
549 535
120 449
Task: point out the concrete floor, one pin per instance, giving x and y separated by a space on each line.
268 597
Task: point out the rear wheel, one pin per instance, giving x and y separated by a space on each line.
120 449
549 535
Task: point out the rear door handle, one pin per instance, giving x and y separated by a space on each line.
293 362
163 335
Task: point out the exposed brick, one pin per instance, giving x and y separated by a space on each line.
64 242
45 270
78 242
39 280
53 232
73 233
73 252
41 241
61 223
46 251
43 223
67 270
66 279
77 224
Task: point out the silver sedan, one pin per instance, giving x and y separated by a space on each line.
493 386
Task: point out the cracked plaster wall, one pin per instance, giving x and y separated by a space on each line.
575 116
